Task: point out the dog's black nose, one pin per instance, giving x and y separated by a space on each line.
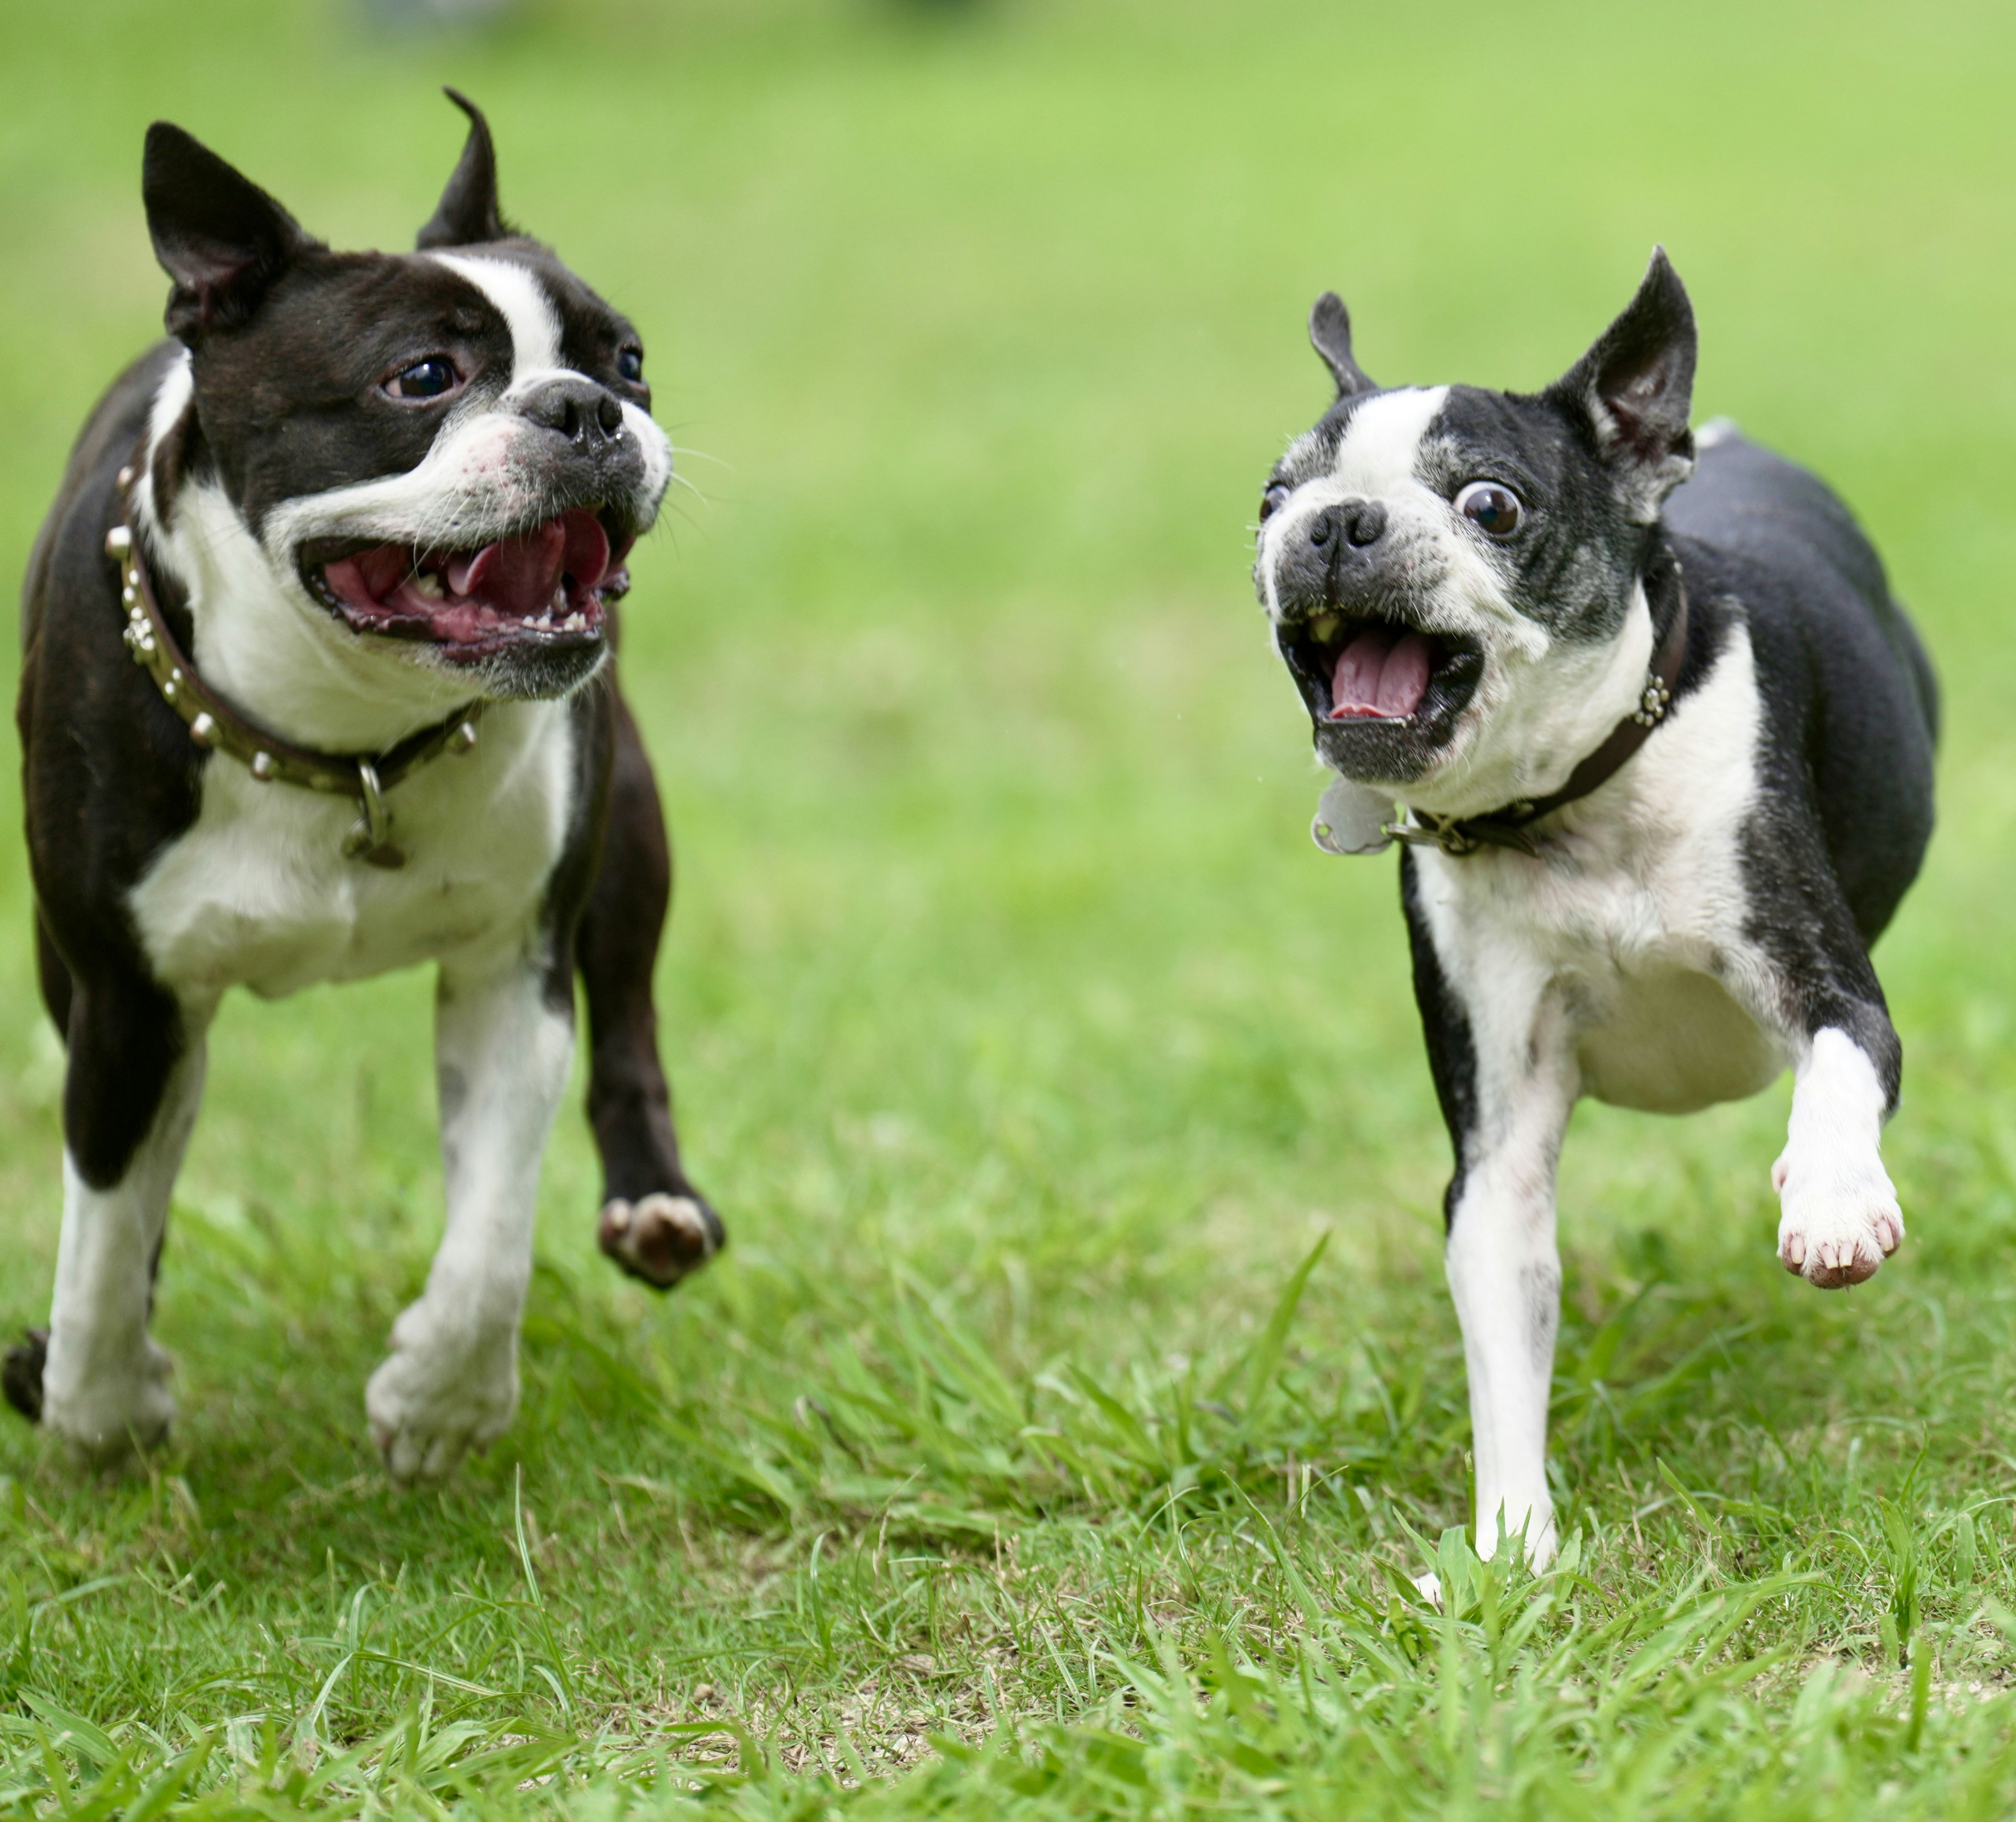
1356 523
577 407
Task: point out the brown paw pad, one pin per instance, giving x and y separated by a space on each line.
659 1238
21 1374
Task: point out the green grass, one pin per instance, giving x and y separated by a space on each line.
1027 1045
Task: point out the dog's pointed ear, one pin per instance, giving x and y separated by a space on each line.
219 236
1329 335
1635 388
467 212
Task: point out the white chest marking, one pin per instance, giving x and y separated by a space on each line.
1636 925
258 893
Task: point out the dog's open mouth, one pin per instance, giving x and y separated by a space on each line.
546 586
1357 669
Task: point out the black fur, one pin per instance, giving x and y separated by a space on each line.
468 212
1851 721
1329 335
1445 1026
110 777
1843 809
289 343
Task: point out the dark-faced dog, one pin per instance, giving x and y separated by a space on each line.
318 683
1663 743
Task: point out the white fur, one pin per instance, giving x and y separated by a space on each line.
451 1381
275 649
268 646
1376 461
172 399
1840 1218
1620 966
1543 704
527 311
105 1385
257 893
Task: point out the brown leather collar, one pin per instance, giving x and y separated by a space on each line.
216 725
1511 826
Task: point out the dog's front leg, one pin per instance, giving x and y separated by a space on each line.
130 1094
1502 1056
503 1045
1505 1275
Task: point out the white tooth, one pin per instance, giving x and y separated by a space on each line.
574 623
530 620
428 584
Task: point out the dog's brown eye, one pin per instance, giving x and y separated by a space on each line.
1490 507
427 378
1273 500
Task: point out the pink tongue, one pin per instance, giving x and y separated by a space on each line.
516 576
1381 673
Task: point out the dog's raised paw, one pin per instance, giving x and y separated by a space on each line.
659 1238
1839 1223
444 1391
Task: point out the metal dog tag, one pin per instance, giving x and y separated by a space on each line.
1352 819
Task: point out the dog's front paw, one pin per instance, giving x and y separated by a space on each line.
107 1415
449 1386
659 1238
1840 1218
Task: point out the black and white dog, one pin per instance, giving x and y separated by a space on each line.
317 683
1666 770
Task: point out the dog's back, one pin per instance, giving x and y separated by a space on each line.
1850 696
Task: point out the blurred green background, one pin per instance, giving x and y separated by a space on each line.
1001 956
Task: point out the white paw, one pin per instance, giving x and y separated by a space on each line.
108 1414
449 1385
1429 1586
1841 1220
1532 1537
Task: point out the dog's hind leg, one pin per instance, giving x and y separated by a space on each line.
1808 978
53 972
22 1367
450 1383
130 1100
655 1223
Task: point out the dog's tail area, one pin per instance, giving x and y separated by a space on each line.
1922 674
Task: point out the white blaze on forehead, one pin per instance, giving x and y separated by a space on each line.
522 301
1381 439
1374 460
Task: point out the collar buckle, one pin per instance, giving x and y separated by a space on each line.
1433 831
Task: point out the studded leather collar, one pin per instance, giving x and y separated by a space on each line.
214 724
